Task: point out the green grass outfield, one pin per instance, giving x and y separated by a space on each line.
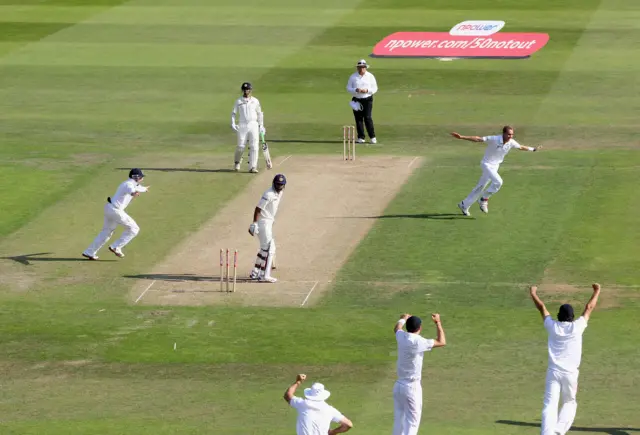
89 87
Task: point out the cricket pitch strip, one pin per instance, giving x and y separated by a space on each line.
320 221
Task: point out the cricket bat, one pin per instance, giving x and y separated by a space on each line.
265 151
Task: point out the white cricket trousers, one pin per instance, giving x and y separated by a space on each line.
407 407
267 252
561 387
112 218
248 132
490 182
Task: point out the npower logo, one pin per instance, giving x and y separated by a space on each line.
476 28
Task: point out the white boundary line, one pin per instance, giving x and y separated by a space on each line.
285 159
411 162
309 294
146 290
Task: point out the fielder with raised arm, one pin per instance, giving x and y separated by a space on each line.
115 215
565 354
264 216
490 182
250 125
407 391
314 414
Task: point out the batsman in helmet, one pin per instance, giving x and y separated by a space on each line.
248 113
262 226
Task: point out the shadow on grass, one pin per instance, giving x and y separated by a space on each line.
26 259
302 141
183 170
604 430
440 216
170 277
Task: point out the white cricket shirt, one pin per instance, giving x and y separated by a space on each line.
497 149
565 344
248 110
366 81
124 194
314 417
411 349
269 203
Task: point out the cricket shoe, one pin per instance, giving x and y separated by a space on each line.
268 279
254 275
360 141
90 257
374 140
464 209
236 167
116 251
253 170
484 205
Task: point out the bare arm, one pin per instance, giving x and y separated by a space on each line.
440 340
469 138
291 391
524 148
345 425
400 323
256 214
533 291
591 305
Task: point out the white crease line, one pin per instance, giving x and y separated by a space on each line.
146 290
309 294
285 159
411 162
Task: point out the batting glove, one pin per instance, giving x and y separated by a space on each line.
263 130
253 229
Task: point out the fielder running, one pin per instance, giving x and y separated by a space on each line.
490 182
115 215
407 391
262 226
314 414
565 352
250 126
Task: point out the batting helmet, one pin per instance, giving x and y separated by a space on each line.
279 181
136 174
246 86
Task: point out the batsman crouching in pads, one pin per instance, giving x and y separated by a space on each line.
263 217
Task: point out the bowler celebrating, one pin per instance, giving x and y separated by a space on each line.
490 182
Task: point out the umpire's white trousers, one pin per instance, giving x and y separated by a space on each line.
112 218
490 182
561 387
248 132
407 407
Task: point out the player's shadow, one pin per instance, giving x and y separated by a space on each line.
182 170
27 259
436 216
602 430
442 216
170 277
302 141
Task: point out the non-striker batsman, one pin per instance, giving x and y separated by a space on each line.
250 125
